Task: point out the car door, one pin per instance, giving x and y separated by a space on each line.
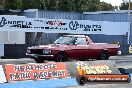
80 49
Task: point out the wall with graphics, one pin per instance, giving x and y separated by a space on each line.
46 38
113 16
24 24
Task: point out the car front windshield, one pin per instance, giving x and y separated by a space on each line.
64 40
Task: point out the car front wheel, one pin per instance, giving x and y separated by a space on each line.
61 57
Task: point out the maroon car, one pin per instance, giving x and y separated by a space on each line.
69 47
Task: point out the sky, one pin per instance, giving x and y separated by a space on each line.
113 2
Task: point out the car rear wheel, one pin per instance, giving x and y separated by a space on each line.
61 57
39 60
81 80
104 55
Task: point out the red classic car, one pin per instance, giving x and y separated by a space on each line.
69 47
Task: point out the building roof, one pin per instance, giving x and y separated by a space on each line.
76 35
107 12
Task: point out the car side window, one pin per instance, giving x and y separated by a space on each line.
72 42
81 41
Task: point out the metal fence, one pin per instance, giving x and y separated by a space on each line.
119 16
60 15
114 17
122 40
109 38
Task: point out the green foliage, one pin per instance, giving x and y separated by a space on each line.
105 6
1 4
125 5
59 5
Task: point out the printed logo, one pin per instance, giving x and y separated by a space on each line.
2 22
97 69
13 23
74 25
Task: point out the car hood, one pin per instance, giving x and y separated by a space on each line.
49 46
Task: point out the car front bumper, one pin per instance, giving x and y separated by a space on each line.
38 55
119 53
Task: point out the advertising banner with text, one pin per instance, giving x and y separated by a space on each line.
16 23
35 71
108 78
92 67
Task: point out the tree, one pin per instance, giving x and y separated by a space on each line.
2 4
92 5
26 4
61 5
8 4
43 4
103 6
125 5
18 4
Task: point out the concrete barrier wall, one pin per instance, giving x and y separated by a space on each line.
51 70
15 50
92 67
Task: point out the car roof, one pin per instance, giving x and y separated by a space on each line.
76 35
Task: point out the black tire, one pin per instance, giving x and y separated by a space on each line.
129 79
81 80
61 57
104 55
39 60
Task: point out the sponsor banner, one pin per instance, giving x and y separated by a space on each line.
108 78
16 23
49 25
92 67
35 71
2 75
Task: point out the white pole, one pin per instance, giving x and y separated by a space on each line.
129 21
37 14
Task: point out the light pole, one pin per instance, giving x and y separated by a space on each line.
129 21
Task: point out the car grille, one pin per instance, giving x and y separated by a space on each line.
36 51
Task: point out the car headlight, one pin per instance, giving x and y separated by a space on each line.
28 51
46 51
